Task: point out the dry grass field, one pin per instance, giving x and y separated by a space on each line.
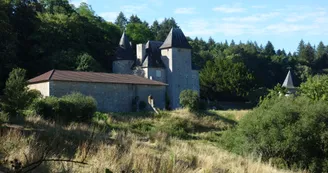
172 142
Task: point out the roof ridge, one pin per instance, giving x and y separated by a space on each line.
95 77
52 73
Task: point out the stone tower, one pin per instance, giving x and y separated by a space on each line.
176 56
124 59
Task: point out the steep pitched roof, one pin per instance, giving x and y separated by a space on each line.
92 77
288 83
124 50
176 39
153 55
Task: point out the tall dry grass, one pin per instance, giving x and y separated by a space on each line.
233 114
128 152
103 147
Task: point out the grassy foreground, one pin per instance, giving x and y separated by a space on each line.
176 141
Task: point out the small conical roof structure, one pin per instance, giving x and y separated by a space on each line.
288 83
176 39
124 50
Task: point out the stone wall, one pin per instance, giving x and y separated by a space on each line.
43 87
158 74
195 80
111 97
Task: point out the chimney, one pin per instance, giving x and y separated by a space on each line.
141 52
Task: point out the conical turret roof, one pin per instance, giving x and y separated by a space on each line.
124 41
176 39
288 83
124 50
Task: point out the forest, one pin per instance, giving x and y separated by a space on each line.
40 35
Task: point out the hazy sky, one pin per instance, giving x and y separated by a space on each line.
282 22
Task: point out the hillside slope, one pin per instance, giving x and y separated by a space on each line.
170 142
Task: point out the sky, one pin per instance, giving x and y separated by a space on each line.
282 22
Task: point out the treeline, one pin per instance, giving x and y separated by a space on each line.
40 35
245 71
47 34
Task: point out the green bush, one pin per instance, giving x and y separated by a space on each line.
176 127
291 131
73 107
4 117
142 127
81 106
315 88
47 107
99 116
189 99
273 94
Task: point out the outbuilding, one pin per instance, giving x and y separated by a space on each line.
113 92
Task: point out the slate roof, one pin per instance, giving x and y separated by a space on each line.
288 83
176 39
153 55
124 50
93 77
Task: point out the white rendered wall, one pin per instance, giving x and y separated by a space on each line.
42 87
141 52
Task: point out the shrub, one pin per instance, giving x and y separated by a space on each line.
4 117
73 107
142 127
176 127
293 129
47 107
272 95
82 107
315 88
17 97
99 116
189 99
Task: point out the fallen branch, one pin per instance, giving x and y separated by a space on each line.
39 162
63 160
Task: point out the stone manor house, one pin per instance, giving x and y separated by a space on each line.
159 72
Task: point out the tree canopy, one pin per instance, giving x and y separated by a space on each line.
53 34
